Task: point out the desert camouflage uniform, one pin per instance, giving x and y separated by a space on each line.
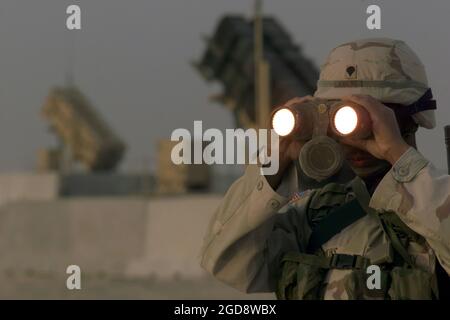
248 232
255 225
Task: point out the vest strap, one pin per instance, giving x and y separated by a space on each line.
335 261
338 219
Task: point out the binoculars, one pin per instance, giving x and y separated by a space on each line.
336 118
321 123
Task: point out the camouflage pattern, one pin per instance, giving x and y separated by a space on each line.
255 225
385 68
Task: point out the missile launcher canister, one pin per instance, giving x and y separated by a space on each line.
81 129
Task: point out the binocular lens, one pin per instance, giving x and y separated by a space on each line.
345 120
283 122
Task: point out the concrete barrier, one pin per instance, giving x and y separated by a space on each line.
28 186
98 234
131 247
175 228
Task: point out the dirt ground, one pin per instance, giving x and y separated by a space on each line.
47 286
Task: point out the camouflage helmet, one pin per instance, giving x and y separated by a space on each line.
386 69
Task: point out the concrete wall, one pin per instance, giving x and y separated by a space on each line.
175 227
127 236
28 186
99 235
126 247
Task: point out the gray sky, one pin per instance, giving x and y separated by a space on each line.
131 58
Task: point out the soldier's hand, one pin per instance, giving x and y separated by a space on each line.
289 148
387 142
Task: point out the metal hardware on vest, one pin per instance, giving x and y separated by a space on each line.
346 261
447 144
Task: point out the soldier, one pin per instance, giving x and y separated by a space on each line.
267 237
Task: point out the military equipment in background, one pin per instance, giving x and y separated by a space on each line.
181 178
447 144
49 159
85 135
280 68
229 59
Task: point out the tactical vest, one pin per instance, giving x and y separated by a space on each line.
303 274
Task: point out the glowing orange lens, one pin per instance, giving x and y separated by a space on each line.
345 120
283 122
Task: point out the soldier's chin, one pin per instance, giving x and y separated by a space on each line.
370 170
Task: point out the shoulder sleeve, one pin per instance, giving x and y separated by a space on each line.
420 195
242 238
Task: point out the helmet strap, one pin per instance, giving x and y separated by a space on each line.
425 102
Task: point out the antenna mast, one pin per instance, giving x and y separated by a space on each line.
262 71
